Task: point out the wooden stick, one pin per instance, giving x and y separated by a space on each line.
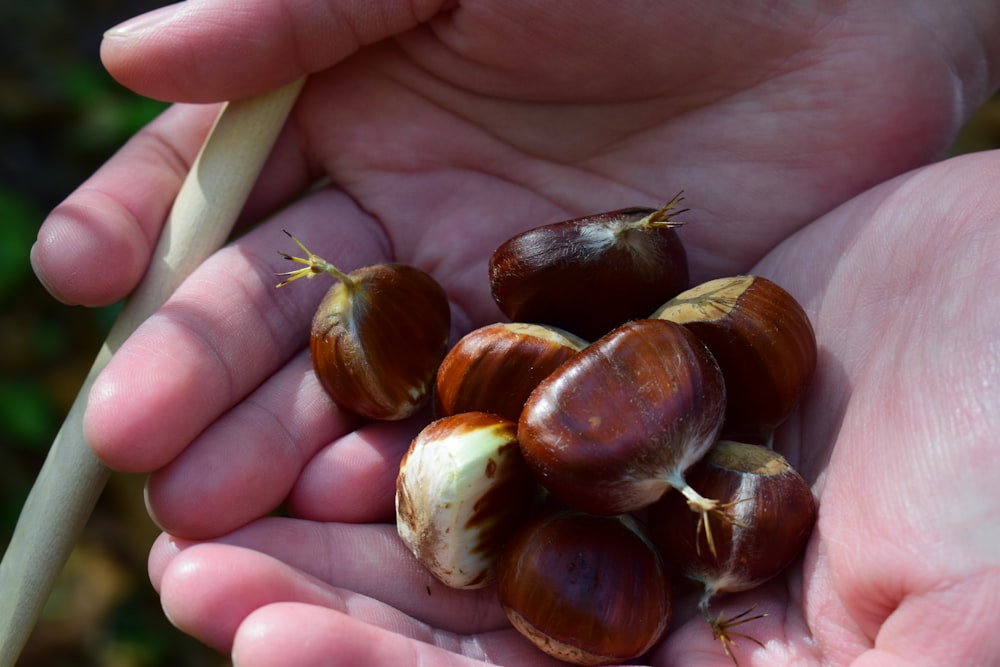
72 479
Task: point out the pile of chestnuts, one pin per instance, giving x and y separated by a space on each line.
611 439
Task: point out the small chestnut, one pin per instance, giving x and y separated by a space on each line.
616 426
590 590
764 344
767 512
495 368
590 274
378 336
462 489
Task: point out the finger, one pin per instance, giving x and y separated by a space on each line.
244 465
223 332
208 589
229 54
354 479
289 633
93 248
368 559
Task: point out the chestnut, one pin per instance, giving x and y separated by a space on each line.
770 510
378 336
462 489
590 590
591 274
616 426
764 344
494 368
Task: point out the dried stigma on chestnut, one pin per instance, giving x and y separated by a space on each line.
585 589
590 274
378 336
616 426
462 489
770 510
495 368
763 342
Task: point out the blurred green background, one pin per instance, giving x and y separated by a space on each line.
61 116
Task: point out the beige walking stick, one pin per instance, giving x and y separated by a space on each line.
71 480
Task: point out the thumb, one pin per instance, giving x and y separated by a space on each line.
216 50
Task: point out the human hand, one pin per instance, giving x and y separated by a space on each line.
438 154
897 432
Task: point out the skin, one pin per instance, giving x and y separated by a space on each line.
806 137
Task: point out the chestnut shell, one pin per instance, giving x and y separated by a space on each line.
462 489
763 342
617 425
590 274
377 341
770 512
583 588
495 368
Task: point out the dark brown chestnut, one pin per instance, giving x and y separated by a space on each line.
763 341
617 425
378 336
767 513
585 589
590 274
495 368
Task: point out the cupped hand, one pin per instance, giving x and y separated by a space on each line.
443 131
897 431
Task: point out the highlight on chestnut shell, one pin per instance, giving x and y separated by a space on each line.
378 336
585 589
591 274
763 341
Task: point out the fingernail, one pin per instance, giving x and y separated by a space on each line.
145 22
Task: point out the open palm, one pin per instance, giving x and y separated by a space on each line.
491 118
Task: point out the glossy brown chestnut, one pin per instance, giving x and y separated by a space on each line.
494 368
763 341
590 274
378 336
617 425
585 589
769 512
462 489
